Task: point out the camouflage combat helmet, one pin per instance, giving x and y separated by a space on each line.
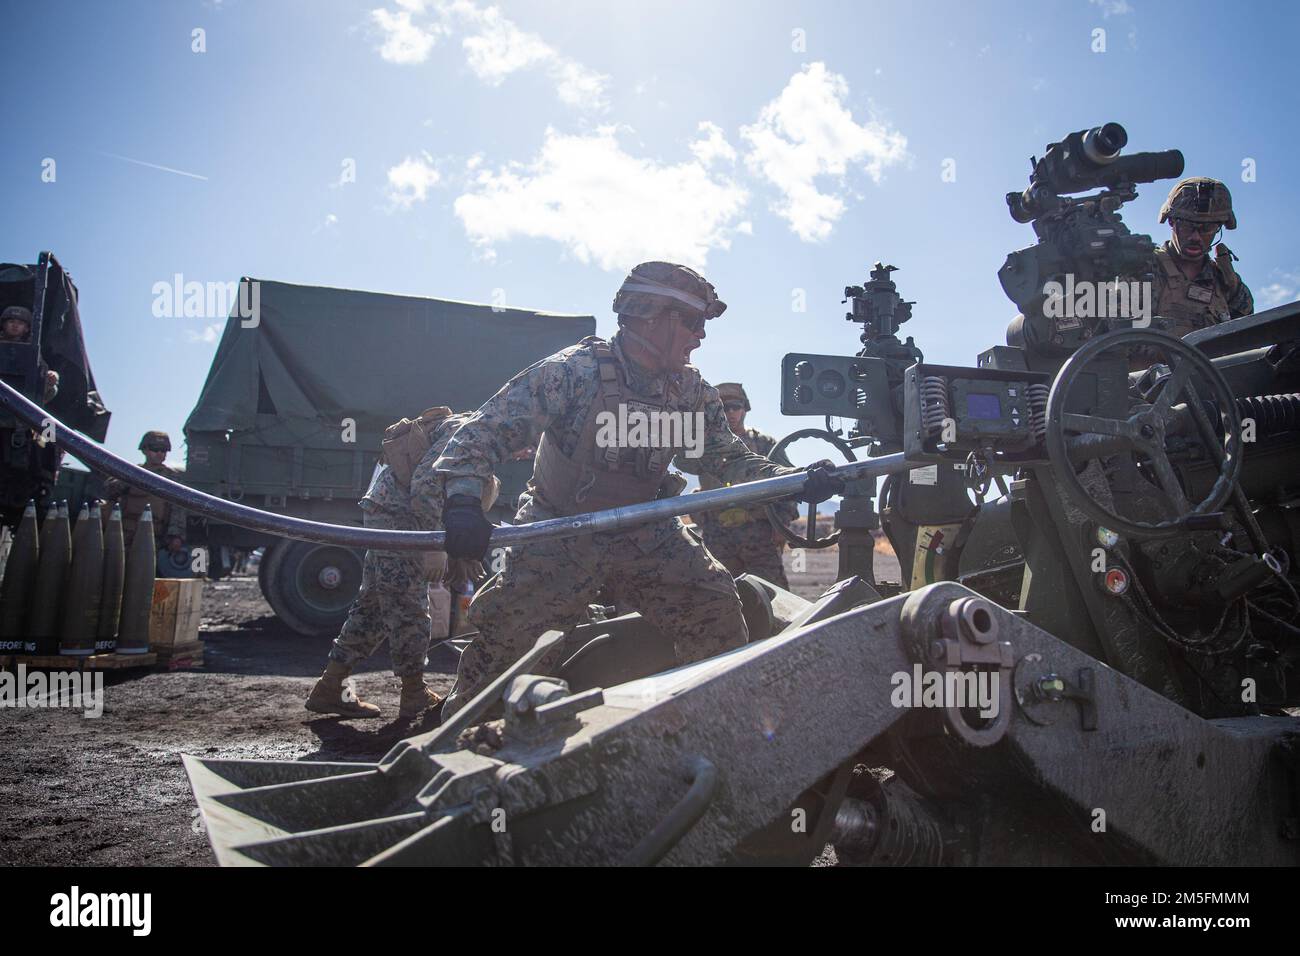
17 312
733 392
1200 199
156 441
653 287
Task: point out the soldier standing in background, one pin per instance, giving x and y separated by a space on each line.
743 538
393 603
168 519
660 568
1192 290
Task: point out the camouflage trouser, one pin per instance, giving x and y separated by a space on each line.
746 549
678 587
393 603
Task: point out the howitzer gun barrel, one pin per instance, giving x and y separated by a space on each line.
615 519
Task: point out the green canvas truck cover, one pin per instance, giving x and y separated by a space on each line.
318 355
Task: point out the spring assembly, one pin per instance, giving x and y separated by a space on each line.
935 406
1037 396
1272 413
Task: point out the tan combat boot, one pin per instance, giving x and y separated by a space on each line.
417 696
333 694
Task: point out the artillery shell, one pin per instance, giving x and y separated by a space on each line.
20 575
137 589
84 586
56 555
110 607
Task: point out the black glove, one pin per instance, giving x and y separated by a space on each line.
821 483
468 529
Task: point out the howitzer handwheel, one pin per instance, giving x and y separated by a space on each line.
1073 438
777 454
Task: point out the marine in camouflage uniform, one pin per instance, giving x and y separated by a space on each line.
660 568
1192 290
393 602
169 520
743 539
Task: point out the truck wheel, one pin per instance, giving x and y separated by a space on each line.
311 586
264 568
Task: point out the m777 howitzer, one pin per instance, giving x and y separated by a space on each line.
1125 703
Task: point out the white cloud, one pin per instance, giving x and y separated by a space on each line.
494 46
404 41
578 86
209 334
1287 289
499 48
410 180
603 204
807 134
1112 8
713 146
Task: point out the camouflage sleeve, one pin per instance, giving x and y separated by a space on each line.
511 420
426 498
786 511
177 519
725 456
1241 302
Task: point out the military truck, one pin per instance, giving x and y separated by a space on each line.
303 384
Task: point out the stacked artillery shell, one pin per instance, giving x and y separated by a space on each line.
85 587
20 576
56 554
110 607
137 589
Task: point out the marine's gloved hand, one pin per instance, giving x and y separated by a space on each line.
821 483
468 529
462 571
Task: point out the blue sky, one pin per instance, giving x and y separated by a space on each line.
541 149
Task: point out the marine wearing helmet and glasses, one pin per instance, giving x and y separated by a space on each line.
661 568
1192 290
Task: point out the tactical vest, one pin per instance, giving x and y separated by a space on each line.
1190 304
133 501
406 442
596 478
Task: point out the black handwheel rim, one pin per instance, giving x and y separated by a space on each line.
778 455
1183 356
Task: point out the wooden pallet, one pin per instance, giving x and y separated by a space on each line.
67 662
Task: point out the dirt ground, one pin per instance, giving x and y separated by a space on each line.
111 791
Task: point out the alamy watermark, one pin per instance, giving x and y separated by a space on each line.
638 426
976 690
1085 299
75 908
76 690
180 299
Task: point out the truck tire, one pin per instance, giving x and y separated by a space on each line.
311 586
264 569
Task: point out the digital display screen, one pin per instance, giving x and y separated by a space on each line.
979 405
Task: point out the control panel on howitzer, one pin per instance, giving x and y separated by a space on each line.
927 513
